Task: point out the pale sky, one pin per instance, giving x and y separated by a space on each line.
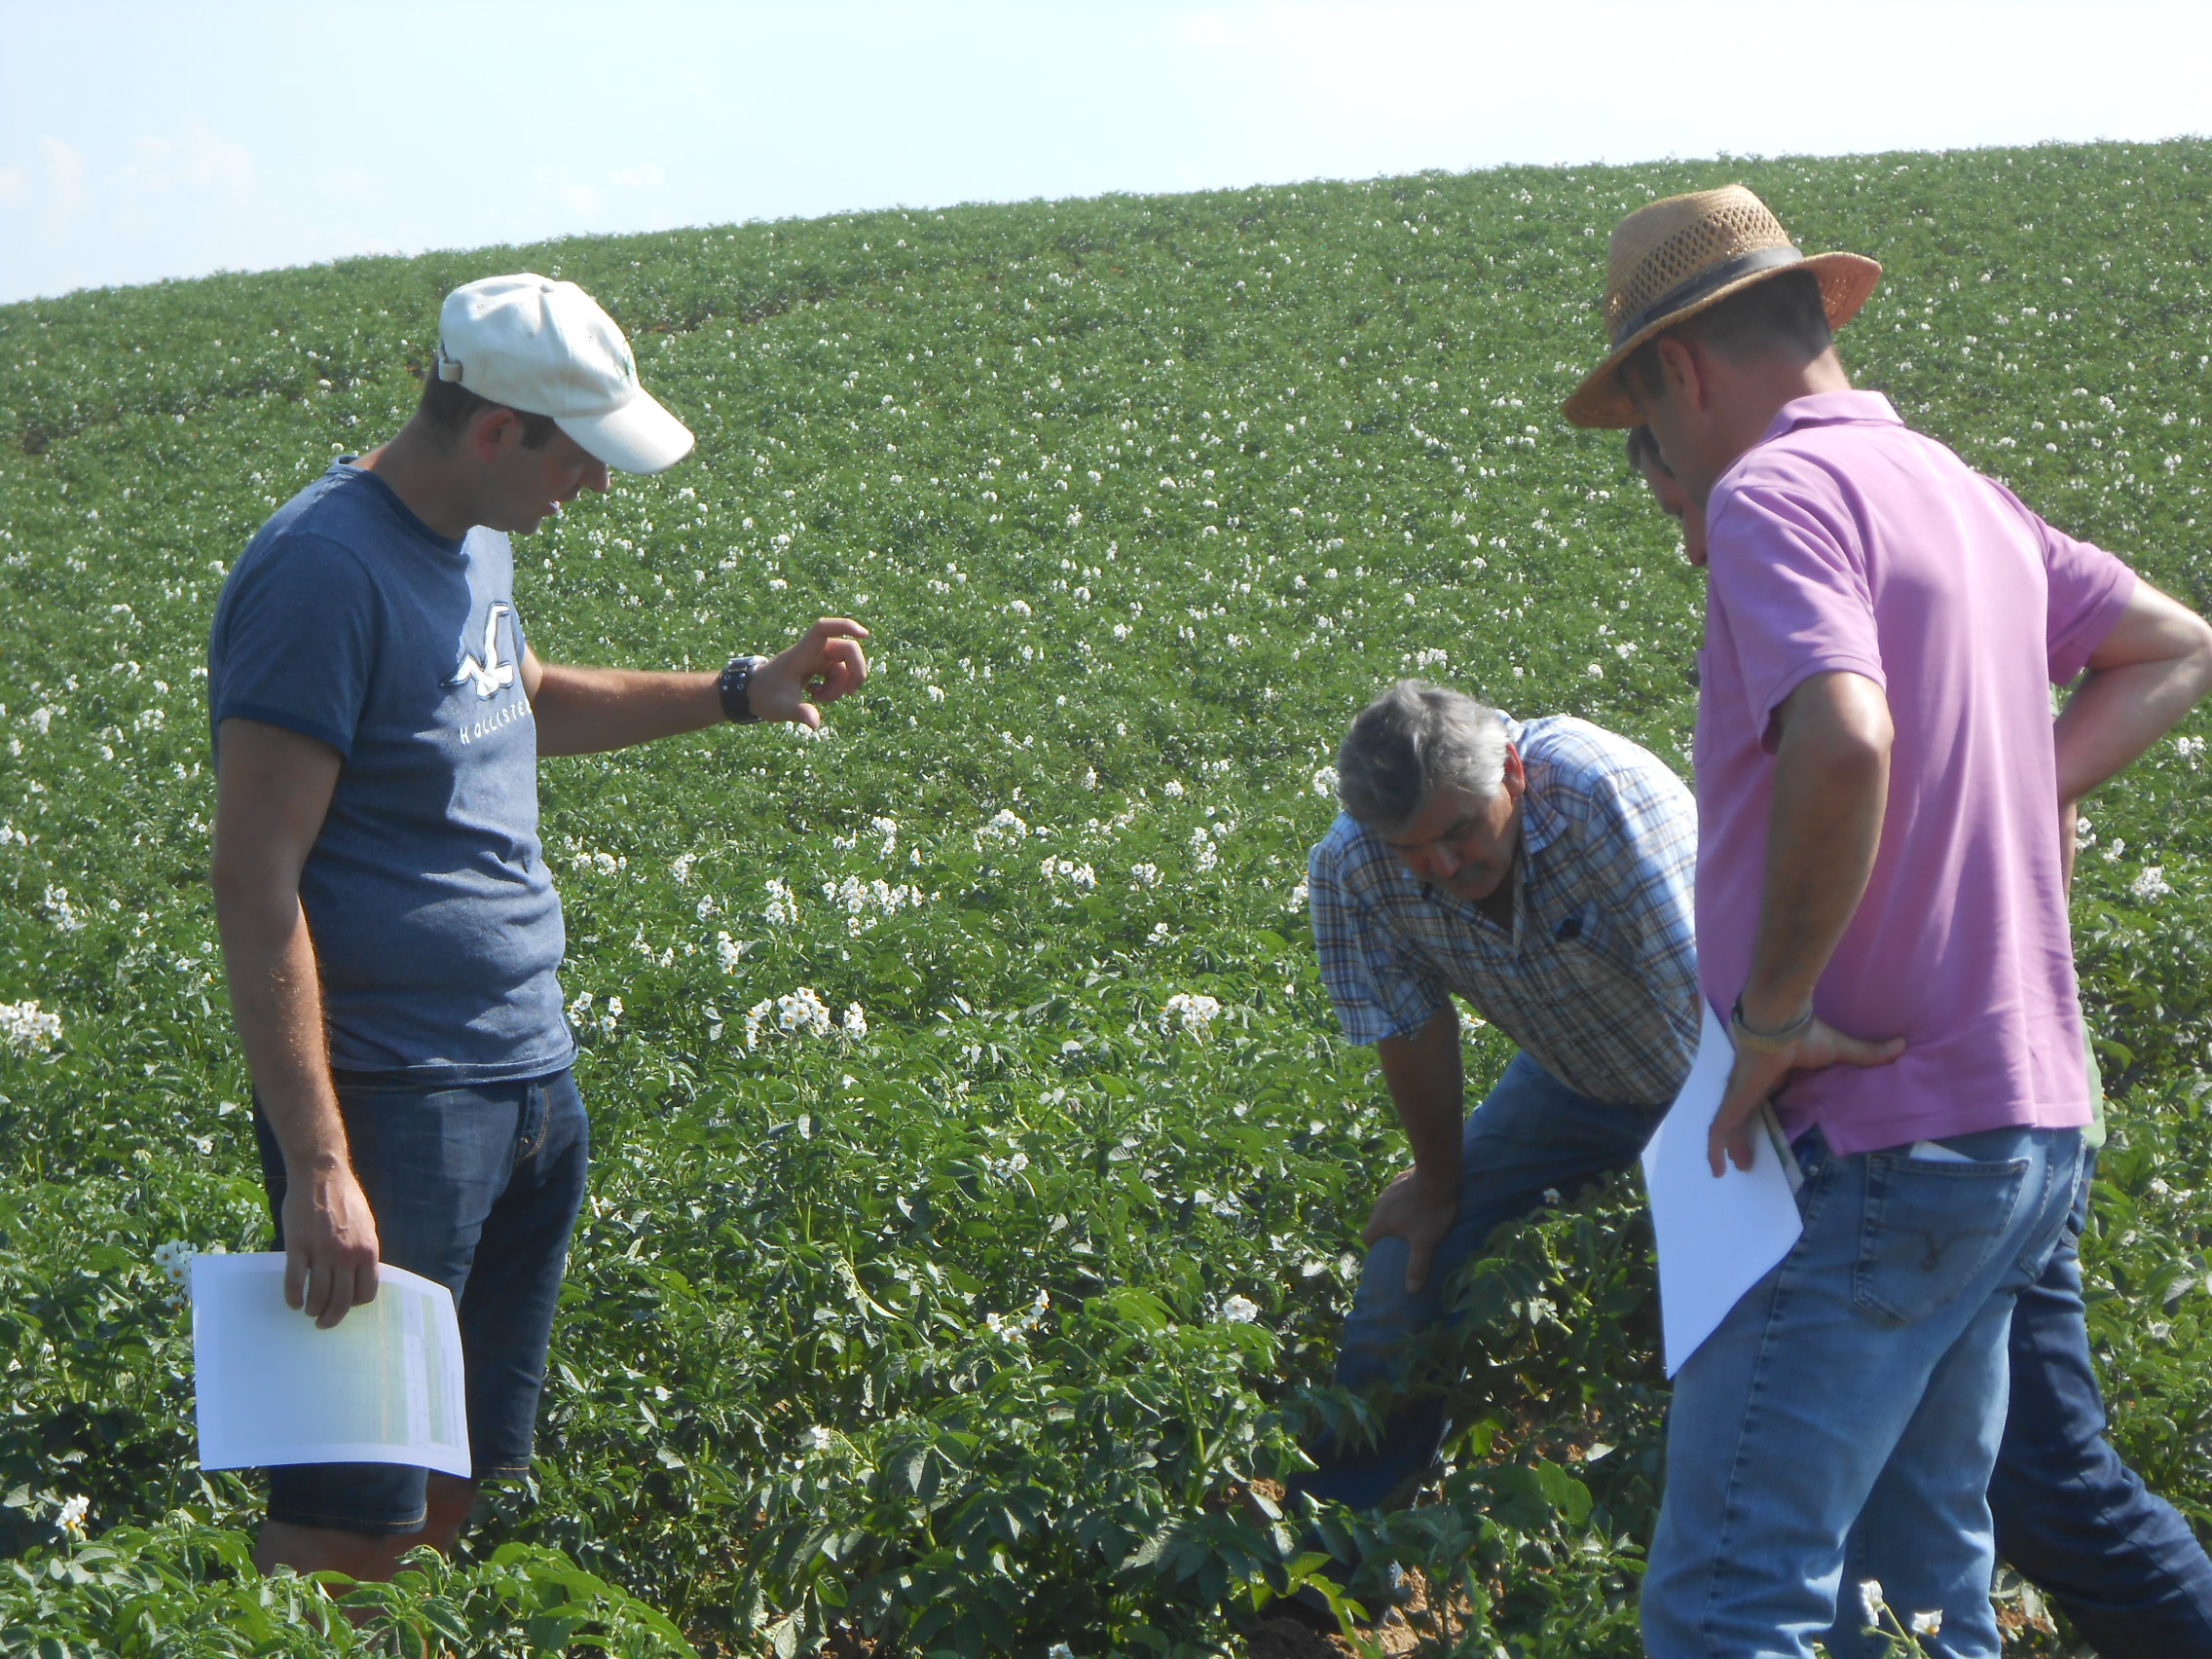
143 140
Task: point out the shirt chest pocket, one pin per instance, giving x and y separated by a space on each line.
1585 938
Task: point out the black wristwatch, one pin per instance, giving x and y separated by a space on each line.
736 687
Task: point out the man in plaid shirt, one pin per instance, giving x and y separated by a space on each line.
1542 872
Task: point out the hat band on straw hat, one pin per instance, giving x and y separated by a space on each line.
1705 283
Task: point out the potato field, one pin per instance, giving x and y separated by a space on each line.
979 1173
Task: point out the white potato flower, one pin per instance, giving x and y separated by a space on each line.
803 1012
1190 1011
174 1259
755 1016
27 1027
2151 884
783 904
61 911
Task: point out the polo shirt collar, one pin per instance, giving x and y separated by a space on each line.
1831 409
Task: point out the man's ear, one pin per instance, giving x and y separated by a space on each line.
1516 777
491 432
1682 371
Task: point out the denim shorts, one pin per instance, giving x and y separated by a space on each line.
476 1187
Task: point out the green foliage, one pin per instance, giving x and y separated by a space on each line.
185 1590
935 1330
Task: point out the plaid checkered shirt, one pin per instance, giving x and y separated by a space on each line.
1597 978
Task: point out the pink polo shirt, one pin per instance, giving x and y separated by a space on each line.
1843 540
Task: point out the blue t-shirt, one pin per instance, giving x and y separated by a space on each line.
436 928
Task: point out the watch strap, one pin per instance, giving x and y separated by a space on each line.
736 689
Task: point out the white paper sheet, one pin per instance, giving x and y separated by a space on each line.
1718 1236
382 1386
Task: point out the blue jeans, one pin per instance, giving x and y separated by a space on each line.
1531 1136
477 1188
2071 1517
1863 1382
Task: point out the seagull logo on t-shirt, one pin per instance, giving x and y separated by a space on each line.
491 675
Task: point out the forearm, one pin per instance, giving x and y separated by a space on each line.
1428 1086
2148 671
2116 713
1832 778
277 1006
584 711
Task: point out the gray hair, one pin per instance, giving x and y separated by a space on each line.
1409 742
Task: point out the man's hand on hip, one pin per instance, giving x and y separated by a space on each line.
330 1244
1756 1077
1416 1210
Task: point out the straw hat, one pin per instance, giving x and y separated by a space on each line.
1673 258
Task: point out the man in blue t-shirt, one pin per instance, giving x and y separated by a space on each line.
389 930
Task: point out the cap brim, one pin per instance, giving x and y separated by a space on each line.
640 436
1601 401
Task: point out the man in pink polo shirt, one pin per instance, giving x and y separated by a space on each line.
1883 813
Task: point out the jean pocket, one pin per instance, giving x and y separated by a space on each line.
531 1122
1929 1231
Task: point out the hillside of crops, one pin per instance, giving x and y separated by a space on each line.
979 1171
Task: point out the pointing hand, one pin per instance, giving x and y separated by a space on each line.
825 664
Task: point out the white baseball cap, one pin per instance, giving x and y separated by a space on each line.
546 348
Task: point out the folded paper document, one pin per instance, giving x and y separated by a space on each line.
1718 1236
383 1386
